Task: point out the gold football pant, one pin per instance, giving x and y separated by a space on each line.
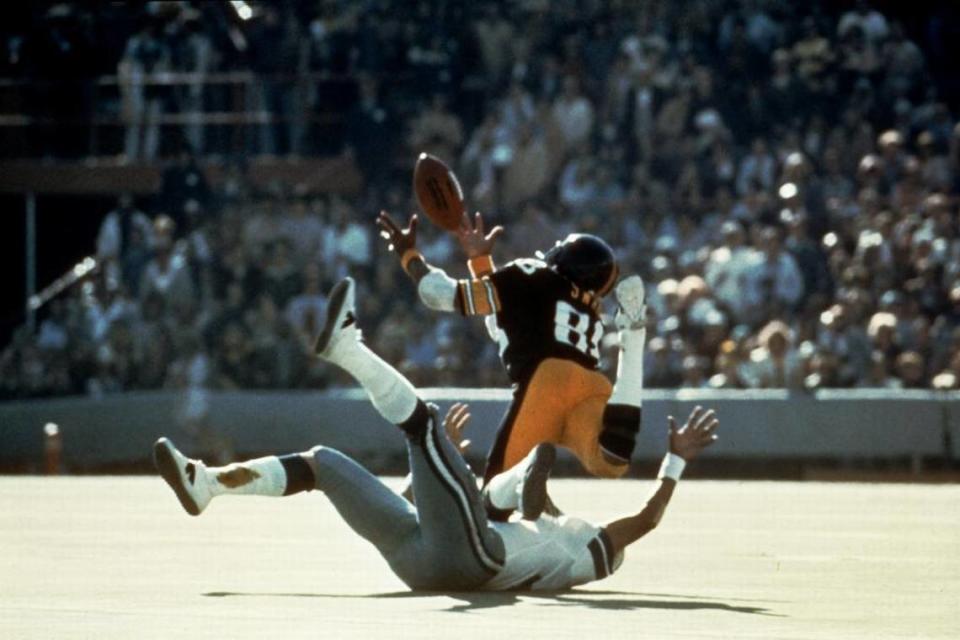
562 403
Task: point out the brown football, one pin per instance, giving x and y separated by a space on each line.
438 192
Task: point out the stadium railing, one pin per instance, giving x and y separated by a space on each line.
777 432
98 112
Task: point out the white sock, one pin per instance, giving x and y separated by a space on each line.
505 487
261 477
392 394
628 389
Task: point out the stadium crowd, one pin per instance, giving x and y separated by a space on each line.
785 179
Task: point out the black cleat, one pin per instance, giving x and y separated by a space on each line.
533 496
340 317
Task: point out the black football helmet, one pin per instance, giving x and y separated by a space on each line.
585 260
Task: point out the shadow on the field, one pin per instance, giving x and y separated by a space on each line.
477 600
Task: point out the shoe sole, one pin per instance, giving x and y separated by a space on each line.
635 301
169 470
534 498
337 297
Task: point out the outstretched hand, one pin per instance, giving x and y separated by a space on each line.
694 436
456 419
398 240
473 238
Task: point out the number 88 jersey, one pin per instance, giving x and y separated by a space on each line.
540 314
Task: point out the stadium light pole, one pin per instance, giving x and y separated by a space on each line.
31 257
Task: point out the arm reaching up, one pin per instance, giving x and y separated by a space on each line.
477 245
436 289
686 443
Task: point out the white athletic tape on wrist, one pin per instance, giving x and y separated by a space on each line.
672 467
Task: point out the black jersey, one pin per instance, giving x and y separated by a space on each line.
540 314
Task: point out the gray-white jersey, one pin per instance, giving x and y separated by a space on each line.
552 553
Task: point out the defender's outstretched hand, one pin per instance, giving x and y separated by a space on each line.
694 436
473 239
457 418
398 240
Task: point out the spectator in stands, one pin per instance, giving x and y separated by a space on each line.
661 368
863 17
774 283
306 311
143 94
370 133
573 113
775 363
301 225
437 131
757 169
281 277
910 370
529 168
195 54
695 372
728 267
183 181
124 242
167 274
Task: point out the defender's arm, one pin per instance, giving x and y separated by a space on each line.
685 444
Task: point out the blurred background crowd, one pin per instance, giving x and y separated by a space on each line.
785 177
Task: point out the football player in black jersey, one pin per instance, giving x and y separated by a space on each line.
545 314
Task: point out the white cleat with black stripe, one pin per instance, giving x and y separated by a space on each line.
188 478
341 324
631 298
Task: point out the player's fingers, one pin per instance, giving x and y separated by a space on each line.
671 424
390 231
457 408
694 415
465 222
463 417
412 226
385 219
495 233
478 222
711 426
705 419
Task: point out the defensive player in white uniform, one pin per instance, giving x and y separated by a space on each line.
445 541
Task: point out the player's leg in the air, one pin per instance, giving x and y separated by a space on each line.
604 435
456 547
444 542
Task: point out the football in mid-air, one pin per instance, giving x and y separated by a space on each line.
438 192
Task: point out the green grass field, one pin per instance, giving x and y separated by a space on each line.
115 557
